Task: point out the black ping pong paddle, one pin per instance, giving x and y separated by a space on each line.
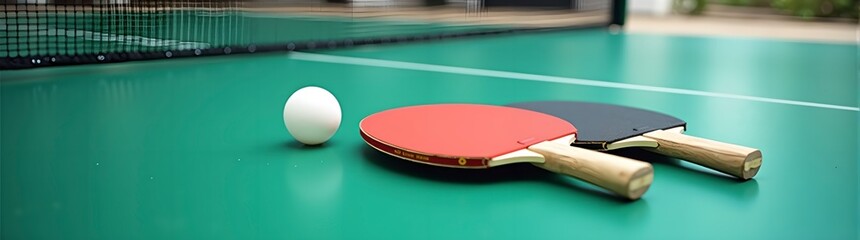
607 127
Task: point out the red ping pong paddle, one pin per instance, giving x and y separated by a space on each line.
482 136
608 127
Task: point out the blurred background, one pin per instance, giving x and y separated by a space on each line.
806 20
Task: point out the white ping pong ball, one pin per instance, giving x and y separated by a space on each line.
312 115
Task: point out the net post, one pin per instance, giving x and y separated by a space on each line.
619 12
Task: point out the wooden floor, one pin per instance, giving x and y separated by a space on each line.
769 28
724 23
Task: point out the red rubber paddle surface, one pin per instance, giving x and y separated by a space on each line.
459 135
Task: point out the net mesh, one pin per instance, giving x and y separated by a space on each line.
59 32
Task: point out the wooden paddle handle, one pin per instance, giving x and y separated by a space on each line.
739 161
624 176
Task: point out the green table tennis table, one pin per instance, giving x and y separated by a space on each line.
196 148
